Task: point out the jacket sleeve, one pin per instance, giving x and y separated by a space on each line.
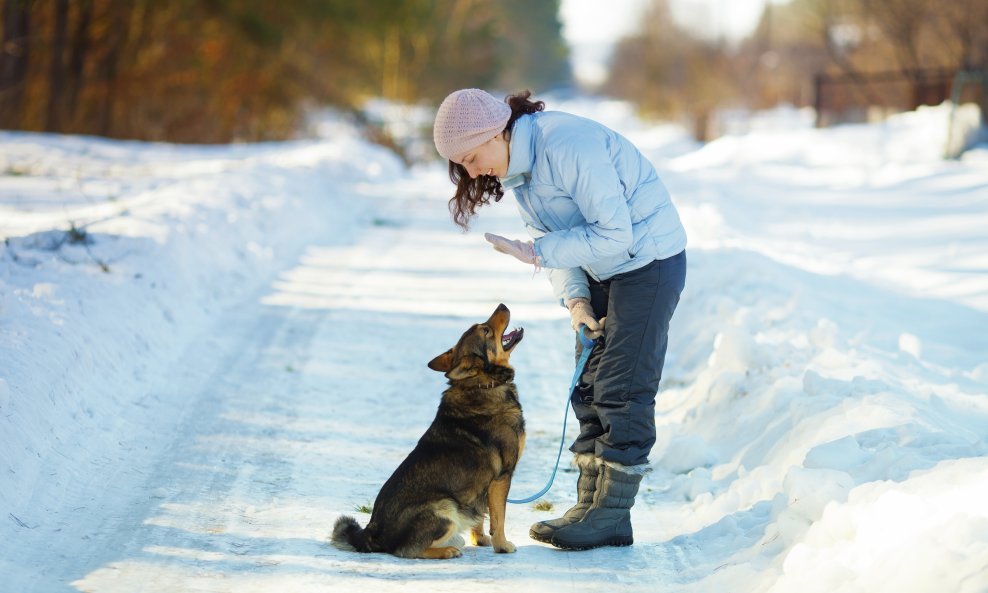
567 283
583 169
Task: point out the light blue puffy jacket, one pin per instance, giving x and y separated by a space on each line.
593 203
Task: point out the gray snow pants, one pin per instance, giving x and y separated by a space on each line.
614 400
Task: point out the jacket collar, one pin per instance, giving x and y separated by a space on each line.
521 153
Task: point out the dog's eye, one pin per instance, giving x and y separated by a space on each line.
487 330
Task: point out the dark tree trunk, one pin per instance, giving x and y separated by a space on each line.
56 74
14 56
116 40
77 57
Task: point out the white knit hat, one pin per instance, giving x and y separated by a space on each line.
466 119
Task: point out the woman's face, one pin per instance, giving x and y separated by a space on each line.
490 158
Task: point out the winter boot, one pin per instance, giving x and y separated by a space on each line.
608 520
586 484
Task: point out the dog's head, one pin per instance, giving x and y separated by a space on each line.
483 346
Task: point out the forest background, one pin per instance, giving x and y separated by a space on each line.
211 71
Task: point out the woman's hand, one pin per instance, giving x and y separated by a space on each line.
581 313
523 251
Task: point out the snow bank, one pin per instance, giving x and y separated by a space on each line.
170 236
925 533
825 423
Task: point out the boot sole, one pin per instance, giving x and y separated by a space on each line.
545 539
617 542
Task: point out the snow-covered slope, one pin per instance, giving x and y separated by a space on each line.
231 352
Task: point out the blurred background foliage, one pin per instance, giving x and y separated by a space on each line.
247 70
221 70
851 60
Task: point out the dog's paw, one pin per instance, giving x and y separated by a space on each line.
505 547
443 553
480 539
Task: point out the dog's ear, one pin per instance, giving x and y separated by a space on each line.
468 366
442 363
465 367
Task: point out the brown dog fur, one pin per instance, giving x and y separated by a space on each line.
461 468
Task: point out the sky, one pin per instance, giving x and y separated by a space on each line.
592 27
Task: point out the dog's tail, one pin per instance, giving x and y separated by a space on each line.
348 535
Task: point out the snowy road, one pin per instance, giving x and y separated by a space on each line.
305 397
253 365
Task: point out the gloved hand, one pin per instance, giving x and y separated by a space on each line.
523 251
581 313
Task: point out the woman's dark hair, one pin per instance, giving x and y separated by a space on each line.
474 193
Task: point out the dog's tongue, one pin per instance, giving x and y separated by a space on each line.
510 337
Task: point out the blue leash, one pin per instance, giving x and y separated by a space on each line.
587 349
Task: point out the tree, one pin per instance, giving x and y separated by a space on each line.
15 54
221 70
76 63
670 72
56 72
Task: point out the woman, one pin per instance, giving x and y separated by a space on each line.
605 228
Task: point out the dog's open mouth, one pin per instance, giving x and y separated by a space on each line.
510 339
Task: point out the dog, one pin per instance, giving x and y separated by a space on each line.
461 468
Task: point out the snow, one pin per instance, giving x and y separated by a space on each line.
230 353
